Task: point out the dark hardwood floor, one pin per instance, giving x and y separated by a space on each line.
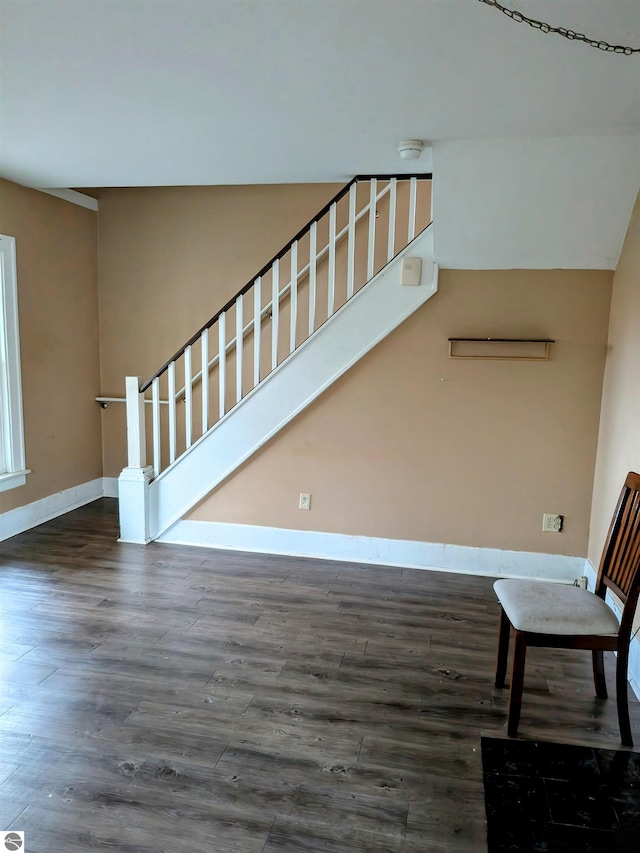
182 699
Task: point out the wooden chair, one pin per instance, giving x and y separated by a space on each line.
567 617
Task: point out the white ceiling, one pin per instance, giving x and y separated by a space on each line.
175 92
152 92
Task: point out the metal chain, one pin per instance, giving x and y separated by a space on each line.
568 34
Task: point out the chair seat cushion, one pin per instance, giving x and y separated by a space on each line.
553 608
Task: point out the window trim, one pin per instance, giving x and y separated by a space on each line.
13 470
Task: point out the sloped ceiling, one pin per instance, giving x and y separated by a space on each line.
175 92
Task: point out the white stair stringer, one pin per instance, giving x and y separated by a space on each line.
368 317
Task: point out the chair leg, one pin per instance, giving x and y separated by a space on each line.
622 697
503 649
517 683
599 679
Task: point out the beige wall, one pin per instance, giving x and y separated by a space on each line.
407 445
168 259
58 311
412 445
619 441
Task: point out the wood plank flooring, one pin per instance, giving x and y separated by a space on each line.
182 700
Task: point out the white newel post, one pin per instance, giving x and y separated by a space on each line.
133 483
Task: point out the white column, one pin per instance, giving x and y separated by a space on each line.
275 311
136 434
133 483
133 504
293 297
371 249
313 260
155 408
351 241
331 273
204 378
239 347
188 398
257 328
171 384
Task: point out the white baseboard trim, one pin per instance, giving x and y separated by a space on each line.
372 550
30 515
634 649
110 487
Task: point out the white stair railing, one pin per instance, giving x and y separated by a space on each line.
267 321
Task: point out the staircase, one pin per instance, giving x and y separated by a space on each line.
327 298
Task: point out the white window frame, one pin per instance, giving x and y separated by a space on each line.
13 470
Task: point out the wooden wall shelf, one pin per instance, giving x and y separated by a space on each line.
501 349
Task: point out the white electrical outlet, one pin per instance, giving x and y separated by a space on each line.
551 523
305 501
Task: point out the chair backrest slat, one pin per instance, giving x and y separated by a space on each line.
629 560
620 563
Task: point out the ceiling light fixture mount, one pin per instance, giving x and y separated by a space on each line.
410 149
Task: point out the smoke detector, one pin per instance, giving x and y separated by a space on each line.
410 149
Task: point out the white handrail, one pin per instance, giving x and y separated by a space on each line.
105 400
